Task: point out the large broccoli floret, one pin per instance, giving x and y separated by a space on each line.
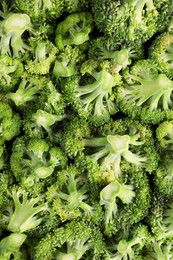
35 159
71 195
145 93
10 246
161 52
73 241
74 30
132 20
93 97
40 10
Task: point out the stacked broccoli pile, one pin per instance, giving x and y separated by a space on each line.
86 130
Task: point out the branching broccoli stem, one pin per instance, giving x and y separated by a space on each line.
74 30
10 246
109 194
111 150
11 30
23 218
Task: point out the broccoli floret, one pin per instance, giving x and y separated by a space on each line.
36 159
10 123
43 57
40 10
71 195
22 215
164 134
74 30
132 20
93 99
12 28
161 52
159 249
10 71
145 93
68 61
10 246
73 241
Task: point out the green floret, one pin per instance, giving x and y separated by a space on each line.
35 159
74 241
22 215
40 10
44 56
162 250
10 246
119 143
161 51
10 71
74 30
12 28
145 93
9 123
93 98
132 20
70 195
164 134
67 62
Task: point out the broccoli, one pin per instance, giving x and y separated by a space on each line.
164 134
145 93
35 159
74 30
132 20
93 99
161 52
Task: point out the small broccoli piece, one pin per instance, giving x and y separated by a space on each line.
44 56
12 28
10 123
73 241
74 30
10 246
36 159
162 250
164 134
10 71
93 99
119 143
40 10
132 20
109 195
22 215
71 195
146 93
161 52
67 62
163 176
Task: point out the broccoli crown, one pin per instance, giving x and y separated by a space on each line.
131 20
35 159
161 52
74 30
145 93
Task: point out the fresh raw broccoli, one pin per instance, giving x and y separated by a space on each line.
10 246
121 142
68 61
146 94
131 20
71 195
161 52
21 216
35 159
164 135
10 71
73 241
10 123
74 30
40 10
43 57
12 28
93 98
